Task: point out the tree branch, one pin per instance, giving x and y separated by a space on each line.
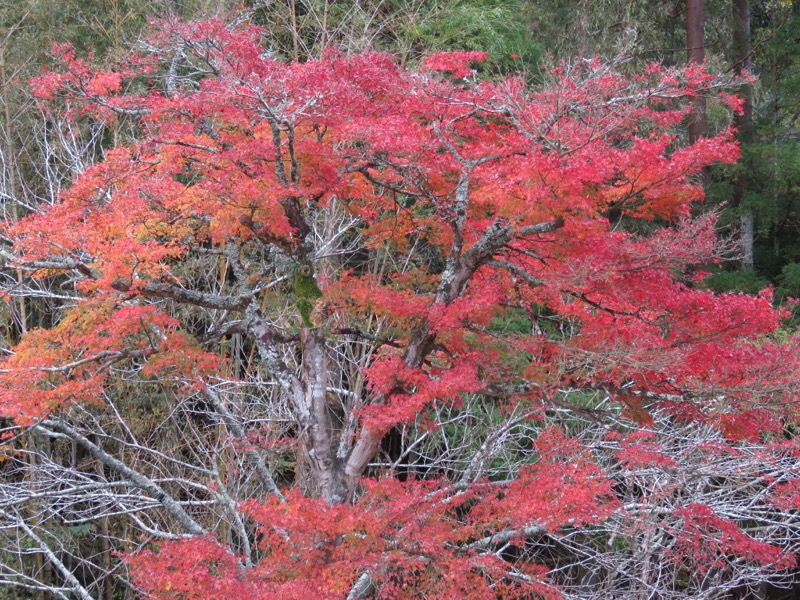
141 481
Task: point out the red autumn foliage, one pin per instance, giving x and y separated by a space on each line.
412 537
488 200
705 541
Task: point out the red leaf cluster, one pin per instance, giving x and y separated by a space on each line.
504 273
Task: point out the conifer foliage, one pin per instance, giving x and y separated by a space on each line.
375 251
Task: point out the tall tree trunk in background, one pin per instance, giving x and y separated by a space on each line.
696 53
8 180
742 54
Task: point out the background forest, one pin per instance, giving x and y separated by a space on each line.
160 486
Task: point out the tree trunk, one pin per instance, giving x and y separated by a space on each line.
696 54
744 124
327 470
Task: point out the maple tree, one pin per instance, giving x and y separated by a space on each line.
314 259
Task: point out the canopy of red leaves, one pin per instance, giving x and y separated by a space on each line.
508 186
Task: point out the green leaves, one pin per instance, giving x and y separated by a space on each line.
307 291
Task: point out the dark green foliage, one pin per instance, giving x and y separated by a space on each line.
498 27
790 279
770 165
773 172
513 321
747 282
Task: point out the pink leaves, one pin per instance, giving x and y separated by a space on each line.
563 488
704 540
194 569
787 495
456 63
412 538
